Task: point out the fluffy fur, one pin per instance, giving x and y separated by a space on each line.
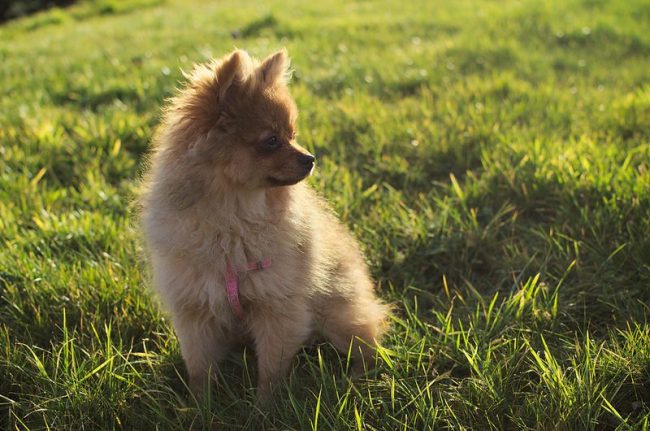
223 185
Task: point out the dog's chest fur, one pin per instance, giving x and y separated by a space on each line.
196 245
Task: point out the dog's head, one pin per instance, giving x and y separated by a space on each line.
241 121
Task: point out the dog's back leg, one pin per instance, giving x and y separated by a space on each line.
356 325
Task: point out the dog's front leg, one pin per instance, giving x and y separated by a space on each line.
279 333
203 345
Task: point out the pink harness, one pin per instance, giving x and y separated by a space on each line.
232 287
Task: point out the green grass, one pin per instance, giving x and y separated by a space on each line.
492 157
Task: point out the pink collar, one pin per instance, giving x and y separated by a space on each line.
232 287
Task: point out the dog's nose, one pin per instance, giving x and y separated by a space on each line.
306 159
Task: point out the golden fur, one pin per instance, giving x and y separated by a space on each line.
224 185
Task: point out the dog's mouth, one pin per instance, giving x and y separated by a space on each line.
279 182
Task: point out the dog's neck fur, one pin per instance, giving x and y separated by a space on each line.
245 221
255 206
240 213
244 204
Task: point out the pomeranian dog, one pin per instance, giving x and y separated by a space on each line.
242 252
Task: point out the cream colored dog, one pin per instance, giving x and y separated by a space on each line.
242 251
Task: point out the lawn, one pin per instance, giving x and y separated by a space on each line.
493 158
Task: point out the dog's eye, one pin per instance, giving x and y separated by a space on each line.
272 142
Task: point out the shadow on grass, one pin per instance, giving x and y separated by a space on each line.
505 233
17 8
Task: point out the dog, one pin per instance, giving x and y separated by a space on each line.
243 253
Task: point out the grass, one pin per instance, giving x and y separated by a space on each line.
492 157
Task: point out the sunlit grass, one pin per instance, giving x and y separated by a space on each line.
492 157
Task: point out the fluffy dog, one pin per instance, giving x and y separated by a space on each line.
241 250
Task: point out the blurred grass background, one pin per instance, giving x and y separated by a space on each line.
492 156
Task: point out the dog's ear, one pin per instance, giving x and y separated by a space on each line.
275 68
233 71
